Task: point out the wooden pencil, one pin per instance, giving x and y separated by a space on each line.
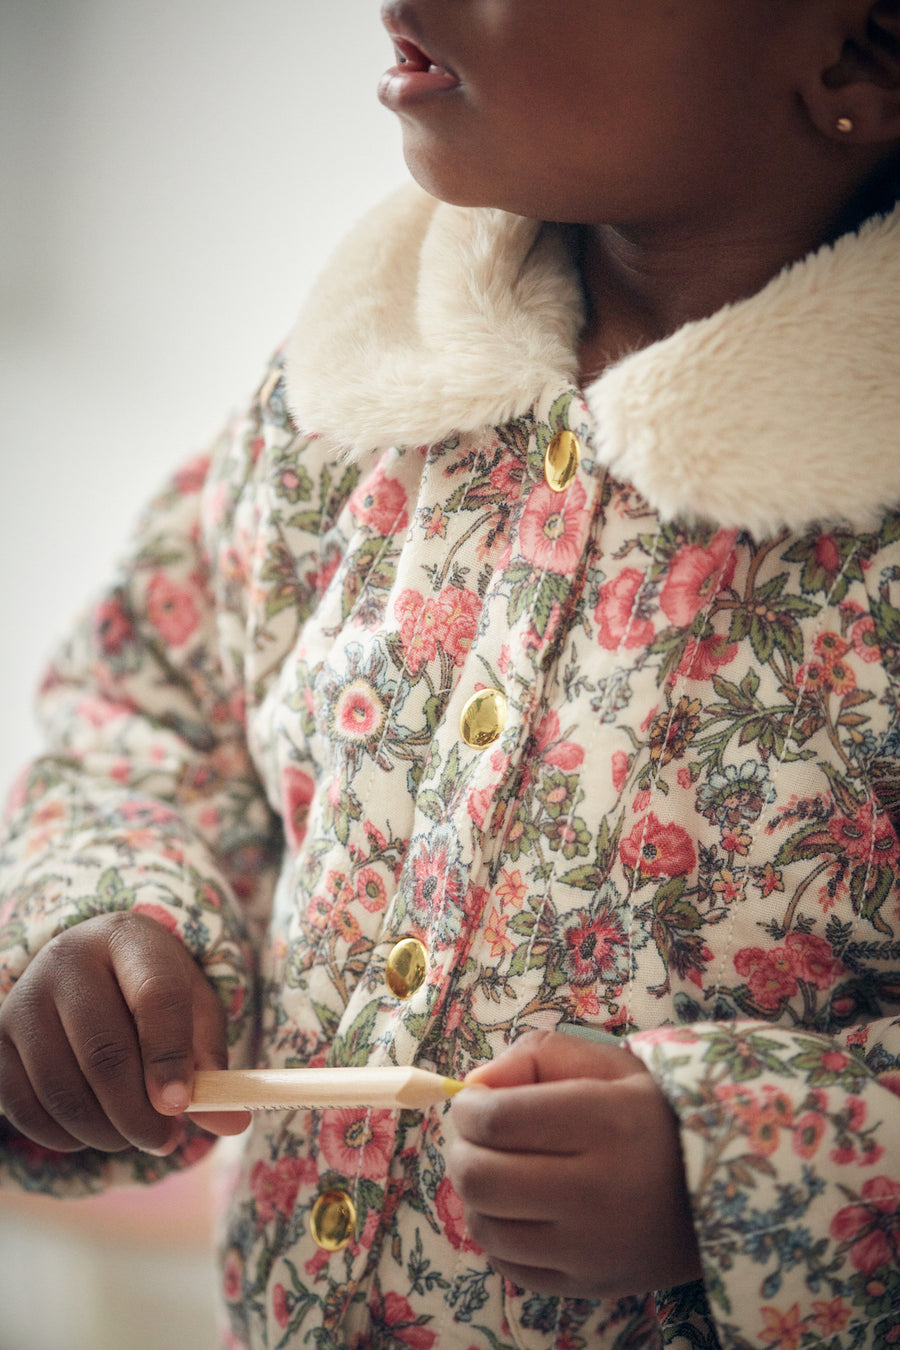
284 1089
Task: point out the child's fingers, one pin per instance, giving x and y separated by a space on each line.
547 1056
522 1243
99 1038
574 1115
515 1186
534 1119
222 1122
21 1105
155 974
99 1028
211 1052
181 1025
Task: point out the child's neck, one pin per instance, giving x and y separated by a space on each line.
642 289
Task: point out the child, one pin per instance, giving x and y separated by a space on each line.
526 657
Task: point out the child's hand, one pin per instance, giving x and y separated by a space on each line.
100 1037
570 1171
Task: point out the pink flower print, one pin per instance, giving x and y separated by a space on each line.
380 502
438 881
399 1325
658 850
769 974
164 917
171 609
812 678
813 960
357 713
565 755
433 521
727 886
872 1227
864 640
507 477
768 879
280 1307
762 1124
841 678
191 477
233 1274
619 766
275 1189
460 610
113 628
807 1135
701 660
357 1143
695 575
735 839
619 627
495 934
512 889
781 1331
552 528
856 1112
478 804
593 946
319 578
297 791
828 555
422 626
830 646
867 837
371 890
891 1081
450 1212
831 1317
99 712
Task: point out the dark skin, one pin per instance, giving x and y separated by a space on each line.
693 146
100 1038
695 143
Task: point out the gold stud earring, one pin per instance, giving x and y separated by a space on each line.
845 125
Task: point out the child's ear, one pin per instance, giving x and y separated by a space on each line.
857 98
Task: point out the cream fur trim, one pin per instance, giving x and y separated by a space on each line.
432 319
776 412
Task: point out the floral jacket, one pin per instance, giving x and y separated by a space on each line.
679 827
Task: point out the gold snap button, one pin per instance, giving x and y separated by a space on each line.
333 1220
561 460
483 718
406 968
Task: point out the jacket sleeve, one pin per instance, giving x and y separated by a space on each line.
147 798
791 1144
791 1139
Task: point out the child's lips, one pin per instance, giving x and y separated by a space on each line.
415 76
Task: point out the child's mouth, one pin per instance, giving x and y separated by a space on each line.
415 76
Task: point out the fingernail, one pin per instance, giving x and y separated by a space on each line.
174 1097
162 1152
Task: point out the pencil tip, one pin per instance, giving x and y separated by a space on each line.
452 1086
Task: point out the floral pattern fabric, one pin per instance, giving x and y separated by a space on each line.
684 835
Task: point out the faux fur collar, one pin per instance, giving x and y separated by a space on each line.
780 410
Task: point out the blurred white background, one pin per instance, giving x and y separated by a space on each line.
172 177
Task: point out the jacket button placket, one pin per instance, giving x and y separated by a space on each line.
332 1221
561 460
483 718
406 968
